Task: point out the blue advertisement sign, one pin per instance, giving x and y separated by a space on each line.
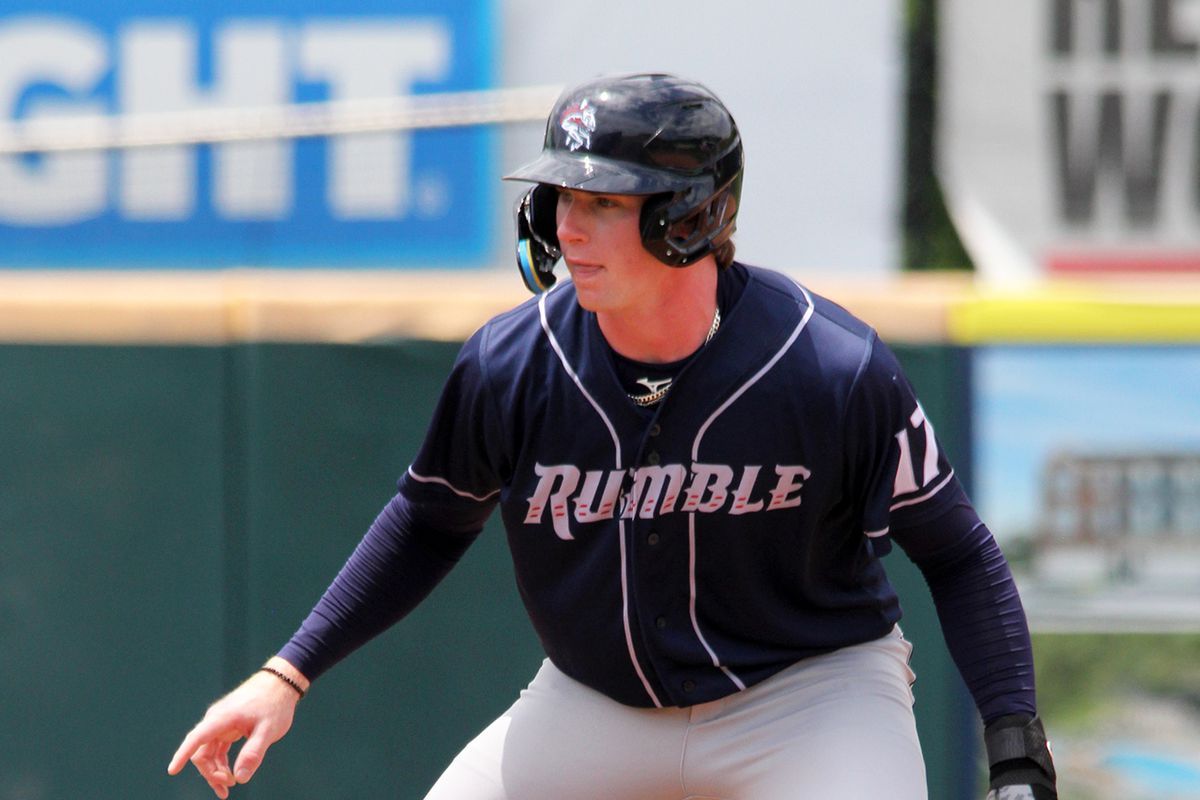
395 198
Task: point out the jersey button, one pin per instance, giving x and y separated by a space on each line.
661 622
652 539
689 685
655 429
652 458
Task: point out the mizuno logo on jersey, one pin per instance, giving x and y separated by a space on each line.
571 494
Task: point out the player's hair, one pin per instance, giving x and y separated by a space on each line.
724 254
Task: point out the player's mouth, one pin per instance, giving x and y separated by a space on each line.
582 269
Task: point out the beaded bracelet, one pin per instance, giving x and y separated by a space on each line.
283 678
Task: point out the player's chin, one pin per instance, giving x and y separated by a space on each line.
589 301
589 285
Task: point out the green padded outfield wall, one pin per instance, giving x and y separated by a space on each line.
168 514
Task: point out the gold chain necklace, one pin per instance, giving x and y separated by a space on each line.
658 389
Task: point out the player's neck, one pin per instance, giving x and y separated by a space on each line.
665 328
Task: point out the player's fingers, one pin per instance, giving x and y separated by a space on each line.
248 762
220 787
209 731
220 760
187 748
211 761
252 754
196 739
199 746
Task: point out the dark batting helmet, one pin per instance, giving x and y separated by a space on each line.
656 135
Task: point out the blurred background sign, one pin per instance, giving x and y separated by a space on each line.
816 90
378 196
1068 134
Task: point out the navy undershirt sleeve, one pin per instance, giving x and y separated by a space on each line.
405 554
981 615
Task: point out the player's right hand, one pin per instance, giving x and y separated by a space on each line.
260 711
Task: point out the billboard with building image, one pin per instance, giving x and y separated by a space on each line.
1087 469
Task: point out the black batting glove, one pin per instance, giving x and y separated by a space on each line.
1020 766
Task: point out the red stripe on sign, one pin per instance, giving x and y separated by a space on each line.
1109 263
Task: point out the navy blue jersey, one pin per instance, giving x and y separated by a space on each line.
674 560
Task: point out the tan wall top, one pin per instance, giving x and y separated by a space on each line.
328 306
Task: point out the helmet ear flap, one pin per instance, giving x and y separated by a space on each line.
683 241
537 237
655 225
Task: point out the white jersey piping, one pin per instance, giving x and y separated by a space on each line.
912 501
696 457
451 487
621 523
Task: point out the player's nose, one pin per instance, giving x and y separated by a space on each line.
568 219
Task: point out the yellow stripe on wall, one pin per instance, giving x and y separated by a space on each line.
1154 312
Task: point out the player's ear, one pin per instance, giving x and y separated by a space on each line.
537 237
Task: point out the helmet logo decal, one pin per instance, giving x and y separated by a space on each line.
579 121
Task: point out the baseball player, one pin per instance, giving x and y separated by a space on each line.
699 465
